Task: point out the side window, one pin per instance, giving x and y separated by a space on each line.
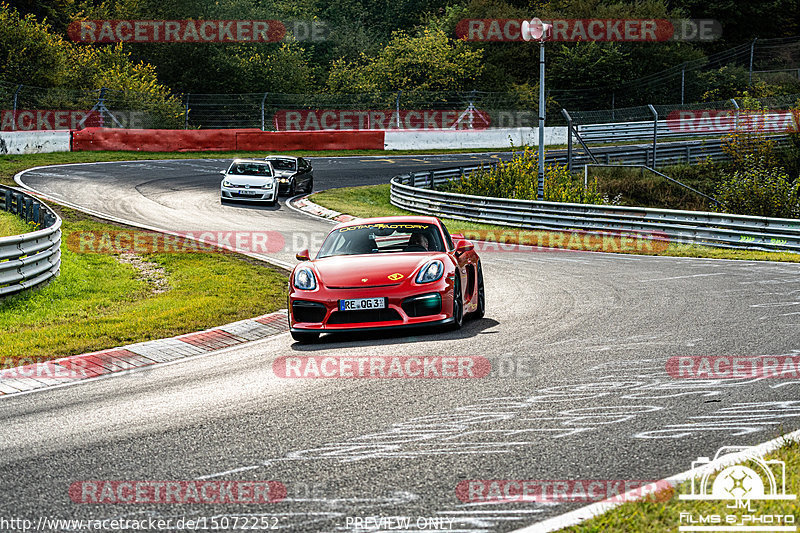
303 164
447 239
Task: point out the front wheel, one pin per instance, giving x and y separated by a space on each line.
458 305
310 186
305 337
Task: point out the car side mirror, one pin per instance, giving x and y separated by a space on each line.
222 172
457 236
464 247
302 255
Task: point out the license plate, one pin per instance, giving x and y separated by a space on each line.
249 193
360 304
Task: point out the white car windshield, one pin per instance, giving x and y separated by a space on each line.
250 169
382 238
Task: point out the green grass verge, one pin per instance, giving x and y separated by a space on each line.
373 201
663 513
13 225
98 302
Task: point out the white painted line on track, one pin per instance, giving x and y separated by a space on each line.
577 516
139 369
684 277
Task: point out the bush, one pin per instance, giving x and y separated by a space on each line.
518 178
760 190
746 144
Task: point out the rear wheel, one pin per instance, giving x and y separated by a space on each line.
305 337
458 305
481 310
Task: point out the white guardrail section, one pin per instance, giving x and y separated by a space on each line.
34 142
413 192
34 258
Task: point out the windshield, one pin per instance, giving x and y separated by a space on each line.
382 238
283 164
250 169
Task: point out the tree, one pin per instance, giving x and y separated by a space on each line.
429 61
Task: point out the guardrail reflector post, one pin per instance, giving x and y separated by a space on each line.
655 131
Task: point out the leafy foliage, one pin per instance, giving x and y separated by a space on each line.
760 190
31 53
518 178
429 61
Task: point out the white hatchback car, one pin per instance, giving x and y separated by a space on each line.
250 180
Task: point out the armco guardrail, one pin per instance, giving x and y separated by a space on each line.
715 127
34 258
714 229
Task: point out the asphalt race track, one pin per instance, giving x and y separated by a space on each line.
589 335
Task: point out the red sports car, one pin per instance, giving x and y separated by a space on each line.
385 273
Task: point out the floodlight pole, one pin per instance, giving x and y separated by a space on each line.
540 189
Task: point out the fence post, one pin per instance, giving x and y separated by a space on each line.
655 131
186 113
613 98
264 99
397 108
752 51
683 82
736 107
14 108
566 115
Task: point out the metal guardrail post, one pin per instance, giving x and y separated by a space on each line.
736 107
566 115
655 132
186 113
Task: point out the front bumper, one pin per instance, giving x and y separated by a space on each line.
251 195
407 306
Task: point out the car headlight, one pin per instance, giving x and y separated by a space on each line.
432 271
304 279
226 183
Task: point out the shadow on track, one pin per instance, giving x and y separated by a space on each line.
330 341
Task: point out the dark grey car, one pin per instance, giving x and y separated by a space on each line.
295 174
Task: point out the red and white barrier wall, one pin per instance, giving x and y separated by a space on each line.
231 140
